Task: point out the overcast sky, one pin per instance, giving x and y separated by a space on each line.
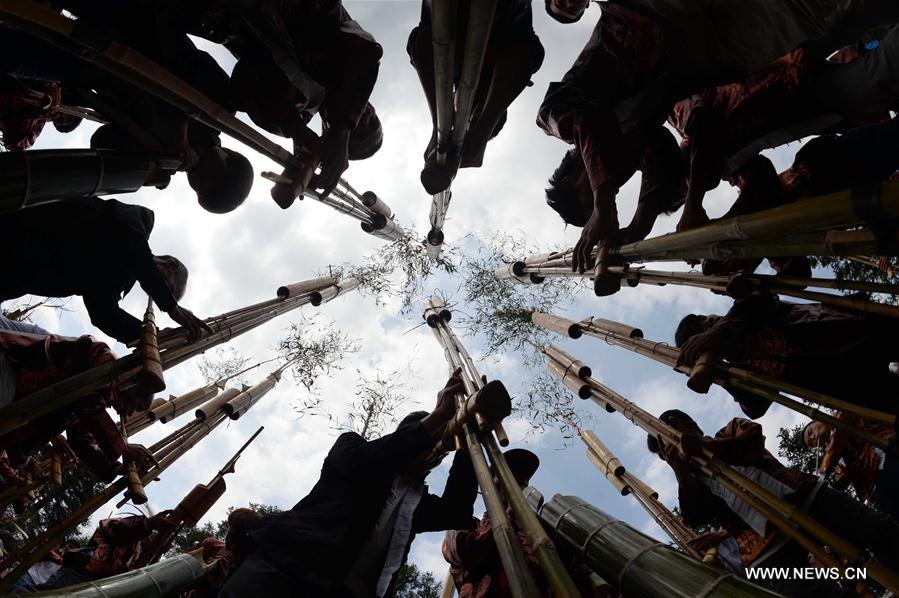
242 257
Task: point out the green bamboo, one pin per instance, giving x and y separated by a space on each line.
168 579
636 564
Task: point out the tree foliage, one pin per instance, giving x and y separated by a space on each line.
55 503
378 397
406 256
500 310
22 312
226 363
798 456
849 270
412 582
548 404
314 350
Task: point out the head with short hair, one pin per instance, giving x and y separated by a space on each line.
815 434
820 167
174 273
367 137
678 420
240 523
692 325
66 123
569 192
566 11
222 179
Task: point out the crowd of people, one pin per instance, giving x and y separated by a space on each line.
688 94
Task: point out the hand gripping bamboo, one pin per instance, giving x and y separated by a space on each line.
726 376
790 520
172 350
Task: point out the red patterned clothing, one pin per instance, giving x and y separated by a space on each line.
623 55
854 461
703 501
117 544
818 347
21 121
475 564
42 361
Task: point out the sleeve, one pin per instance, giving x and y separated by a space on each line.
105 313
452 510
354 454
95 440
358 64
696 503
125 531
135 223
469 549
740 442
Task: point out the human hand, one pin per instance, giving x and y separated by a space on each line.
703 542
446 396
142 458
194 325
163 521
334 160
591 235
698 345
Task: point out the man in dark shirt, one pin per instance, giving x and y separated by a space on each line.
512 55
751 539
96 248
352 532
338 62
825 349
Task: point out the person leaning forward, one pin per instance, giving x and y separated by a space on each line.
96 248
350 535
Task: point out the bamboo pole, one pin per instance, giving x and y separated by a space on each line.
833 211
449 586
636 564
544 550
173 351
135 486
480 22
443 38
150 377
729 376
134 68
781 513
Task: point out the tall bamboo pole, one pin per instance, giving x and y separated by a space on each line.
618 476
134 68
731 377
173 351
789 519
150 377
443 38
544 550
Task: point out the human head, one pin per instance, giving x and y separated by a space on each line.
367 137
221 177
820 167
566 11
569 192
421 465
815 434
240 523
523 464
678 420
692 325
174 273
66 123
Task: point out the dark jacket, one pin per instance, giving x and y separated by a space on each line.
96 248
317 541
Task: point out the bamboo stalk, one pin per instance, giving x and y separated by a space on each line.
150 377
757 384
480 21
636 564
443 38
136 69
544 550
135 486
449 586
833 211
784 514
